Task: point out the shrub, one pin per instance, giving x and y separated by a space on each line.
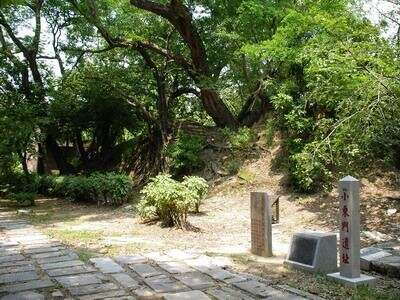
240 140
111 188
103 188
24 199
18 182
185 154
169 200
199 186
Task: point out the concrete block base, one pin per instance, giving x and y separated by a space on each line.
353 282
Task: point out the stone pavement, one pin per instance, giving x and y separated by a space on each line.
33 266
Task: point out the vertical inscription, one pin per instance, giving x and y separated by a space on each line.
261 224
349 227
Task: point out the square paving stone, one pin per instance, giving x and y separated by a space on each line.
125 280
70 271
62 264
77 280
49 254
55 259
43 250
106 265
18 277
195 280
165 284
255 288
9 258
30 285
16 269
112 294
92 289
175 267
15 263
198 295
227 293
24 296
145 270
128 260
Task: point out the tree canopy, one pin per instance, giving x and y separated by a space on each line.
114 80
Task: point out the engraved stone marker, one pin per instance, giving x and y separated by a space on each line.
349 226
313 252
261 224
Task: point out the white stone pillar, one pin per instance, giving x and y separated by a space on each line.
349 227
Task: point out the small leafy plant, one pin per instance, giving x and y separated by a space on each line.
170 201
24 199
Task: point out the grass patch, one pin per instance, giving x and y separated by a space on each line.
75 236
85 255
367 293
246 175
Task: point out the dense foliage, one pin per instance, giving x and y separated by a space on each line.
170 201
100 86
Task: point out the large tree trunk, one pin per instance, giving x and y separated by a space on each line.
181 18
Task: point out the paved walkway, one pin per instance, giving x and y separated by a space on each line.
33 266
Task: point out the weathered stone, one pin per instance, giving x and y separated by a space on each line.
77 280
313 251
128 260
15 263
55 259
146 293
164 284
125 280
24 296
18 277
69 271
43 250
49 254
254 287
191 295
261 224
9 258
16 269
387 265
367 257
57 295
174 267
40 246
92 289
226 293
62 264
195 280
31 285
145 270
110 294
223 275
106 265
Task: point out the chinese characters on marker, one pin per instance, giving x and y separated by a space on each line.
345 227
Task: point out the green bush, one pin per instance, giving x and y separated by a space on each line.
102 188
169 200
199 186
185 154
18 182
24 199
111 188
240 140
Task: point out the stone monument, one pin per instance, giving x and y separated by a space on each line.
261 224
313 252
349 248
